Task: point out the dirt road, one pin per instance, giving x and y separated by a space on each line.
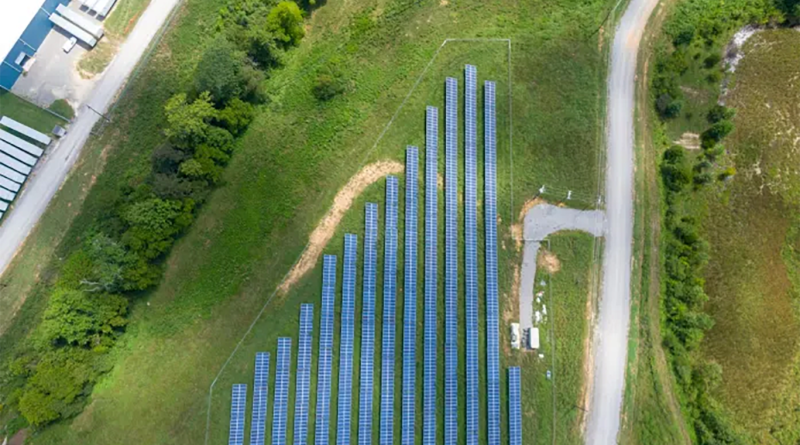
611 332
53 170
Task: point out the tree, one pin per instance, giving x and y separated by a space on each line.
153 224
236 116
716 133
77 318
221 71
263 48
285 21
187 123
327 87
720 112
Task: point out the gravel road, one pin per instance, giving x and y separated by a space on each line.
611 332
53 169
541 221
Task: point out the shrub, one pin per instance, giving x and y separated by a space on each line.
720 112
712 60
327 87
285 22
63 108
221 71
78 318
716 132
235 117
187 123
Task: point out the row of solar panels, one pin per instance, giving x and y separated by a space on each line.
409 325
18 155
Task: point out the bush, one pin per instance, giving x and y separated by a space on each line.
235 117
720 112
63 108
285 22
78 318
712 60
327 87
221 71
716 132
188 123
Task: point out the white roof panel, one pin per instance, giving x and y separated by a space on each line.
17 153
15 18
6 172
3 207
14 164
24 129
21 144
6 195
9 184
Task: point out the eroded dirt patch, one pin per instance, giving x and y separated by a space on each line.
548 261
690 141
327 227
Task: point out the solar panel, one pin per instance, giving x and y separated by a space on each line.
260 397
492 307
368 326
389 307
410 301
431 245
451 264
238 408
471 253
281 398
514 408
346 350
321 436
302 386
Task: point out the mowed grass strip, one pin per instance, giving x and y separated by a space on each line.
750 279
295 157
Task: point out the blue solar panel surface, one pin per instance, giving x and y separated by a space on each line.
451 264
344 411
280 402
431 245
514 408
492 308
323 414
368 325
260 398
389 307
410 301
238 408
471 253
302 387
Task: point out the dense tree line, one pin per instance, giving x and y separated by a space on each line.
123 255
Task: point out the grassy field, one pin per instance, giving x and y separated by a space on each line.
752 230
30 115
295 156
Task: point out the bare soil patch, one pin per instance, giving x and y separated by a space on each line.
689 141
327 227
548 261
516 229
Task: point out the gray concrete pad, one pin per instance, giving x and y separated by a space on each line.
54 75
540 222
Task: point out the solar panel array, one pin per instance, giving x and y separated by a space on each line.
492 308
471 252
260 397
280 404
514 407
451 264
321 436
389 307
346 350
238 408
368 325
431 254
302 386
410 301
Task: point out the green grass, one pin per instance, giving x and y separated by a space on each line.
295 156
124 16
62 107
752 297
553 409
26 113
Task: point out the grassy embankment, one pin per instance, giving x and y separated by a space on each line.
30 115
295 156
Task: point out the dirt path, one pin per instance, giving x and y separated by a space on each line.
327 227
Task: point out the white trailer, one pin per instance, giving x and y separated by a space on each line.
21 144
11 174
73 29
16 153
533 338
516 340
6 195
84 23
24 130
9 184
13 164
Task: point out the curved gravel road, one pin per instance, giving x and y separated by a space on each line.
611 332
52 170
